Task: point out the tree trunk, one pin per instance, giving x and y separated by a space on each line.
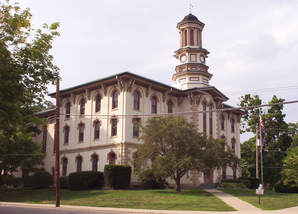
177 184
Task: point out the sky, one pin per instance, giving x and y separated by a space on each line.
253 44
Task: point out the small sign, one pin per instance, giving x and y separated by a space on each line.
260 191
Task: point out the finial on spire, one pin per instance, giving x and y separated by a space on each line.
190 6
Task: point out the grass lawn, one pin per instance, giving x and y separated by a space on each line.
269 201
138 199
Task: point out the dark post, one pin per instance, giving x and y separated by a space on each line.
57 166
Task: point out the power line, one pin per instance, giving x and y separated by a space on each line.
263 90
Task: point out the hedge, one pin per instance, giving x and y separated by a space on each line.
85 180
117 176
42 180
254 182
280 187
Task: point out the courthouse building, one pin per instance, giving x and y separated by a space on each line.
98 118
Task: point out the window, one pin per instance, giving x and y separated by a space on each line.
67 111
233 142
222 122
185 38
66 134
94 163
44 138
53 171
210 120
234 172
81 132
170 107
136 100
204 118
112 158
96 129
79 164
224 172
64 166
114 127
97 103
191 37
232 125
154 105
135 126
115 100
82 109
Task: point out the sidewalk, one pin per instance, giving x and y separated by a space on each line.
241 206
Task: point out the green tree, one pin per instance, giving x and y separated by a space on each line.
276 141
248 157
25 71
172 147
290 174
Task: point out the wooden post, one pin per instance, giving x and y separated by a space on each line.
257 153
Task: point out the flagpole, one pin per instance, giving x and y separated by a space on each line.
261 140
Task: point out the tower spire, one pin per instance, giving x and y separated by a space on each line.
190 6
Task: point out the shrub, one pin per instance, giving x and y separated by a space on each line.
64 182
241 185
254 182
280 187
225 186
17 182
247 183
153 183
85 180
8 180
42 179
269 186
230 181
117 176
28 181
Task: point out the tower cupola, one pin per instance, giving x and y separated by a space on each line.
191 70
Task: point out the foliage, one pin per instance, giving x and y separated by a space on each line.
230 181
225 186
241 186
276 140
85 180
117 176
8 180
28 181
153 183
25 71
290 174
172 147
282 188
64 182
42 180
254 182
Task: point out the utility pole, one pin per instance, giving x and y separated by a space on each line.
57 166
257 151
261 142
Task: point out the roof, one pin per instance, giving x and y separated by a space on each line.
190 18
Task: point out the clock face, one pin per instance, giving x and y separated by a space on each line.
202 58
183 58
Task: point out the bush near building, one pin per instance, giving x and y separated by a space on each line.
117 176
85 180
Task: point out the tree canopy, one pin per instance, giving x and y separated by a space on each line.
26 69
172 147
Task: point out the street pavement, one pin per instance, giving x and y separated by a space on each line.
242 207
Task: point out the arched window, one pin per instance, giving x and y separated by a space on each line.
191 37
96 129
82 108
170 107
112 158
135 125
153 105
79 164
233 142
115 100
81 132
64 166
114 127
222 122
204 118
67 111
185 38
97 103
210 120
66 134
232 125
234 172
94 163
136 100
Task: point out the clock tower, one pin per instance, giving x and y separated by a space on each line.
191 71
